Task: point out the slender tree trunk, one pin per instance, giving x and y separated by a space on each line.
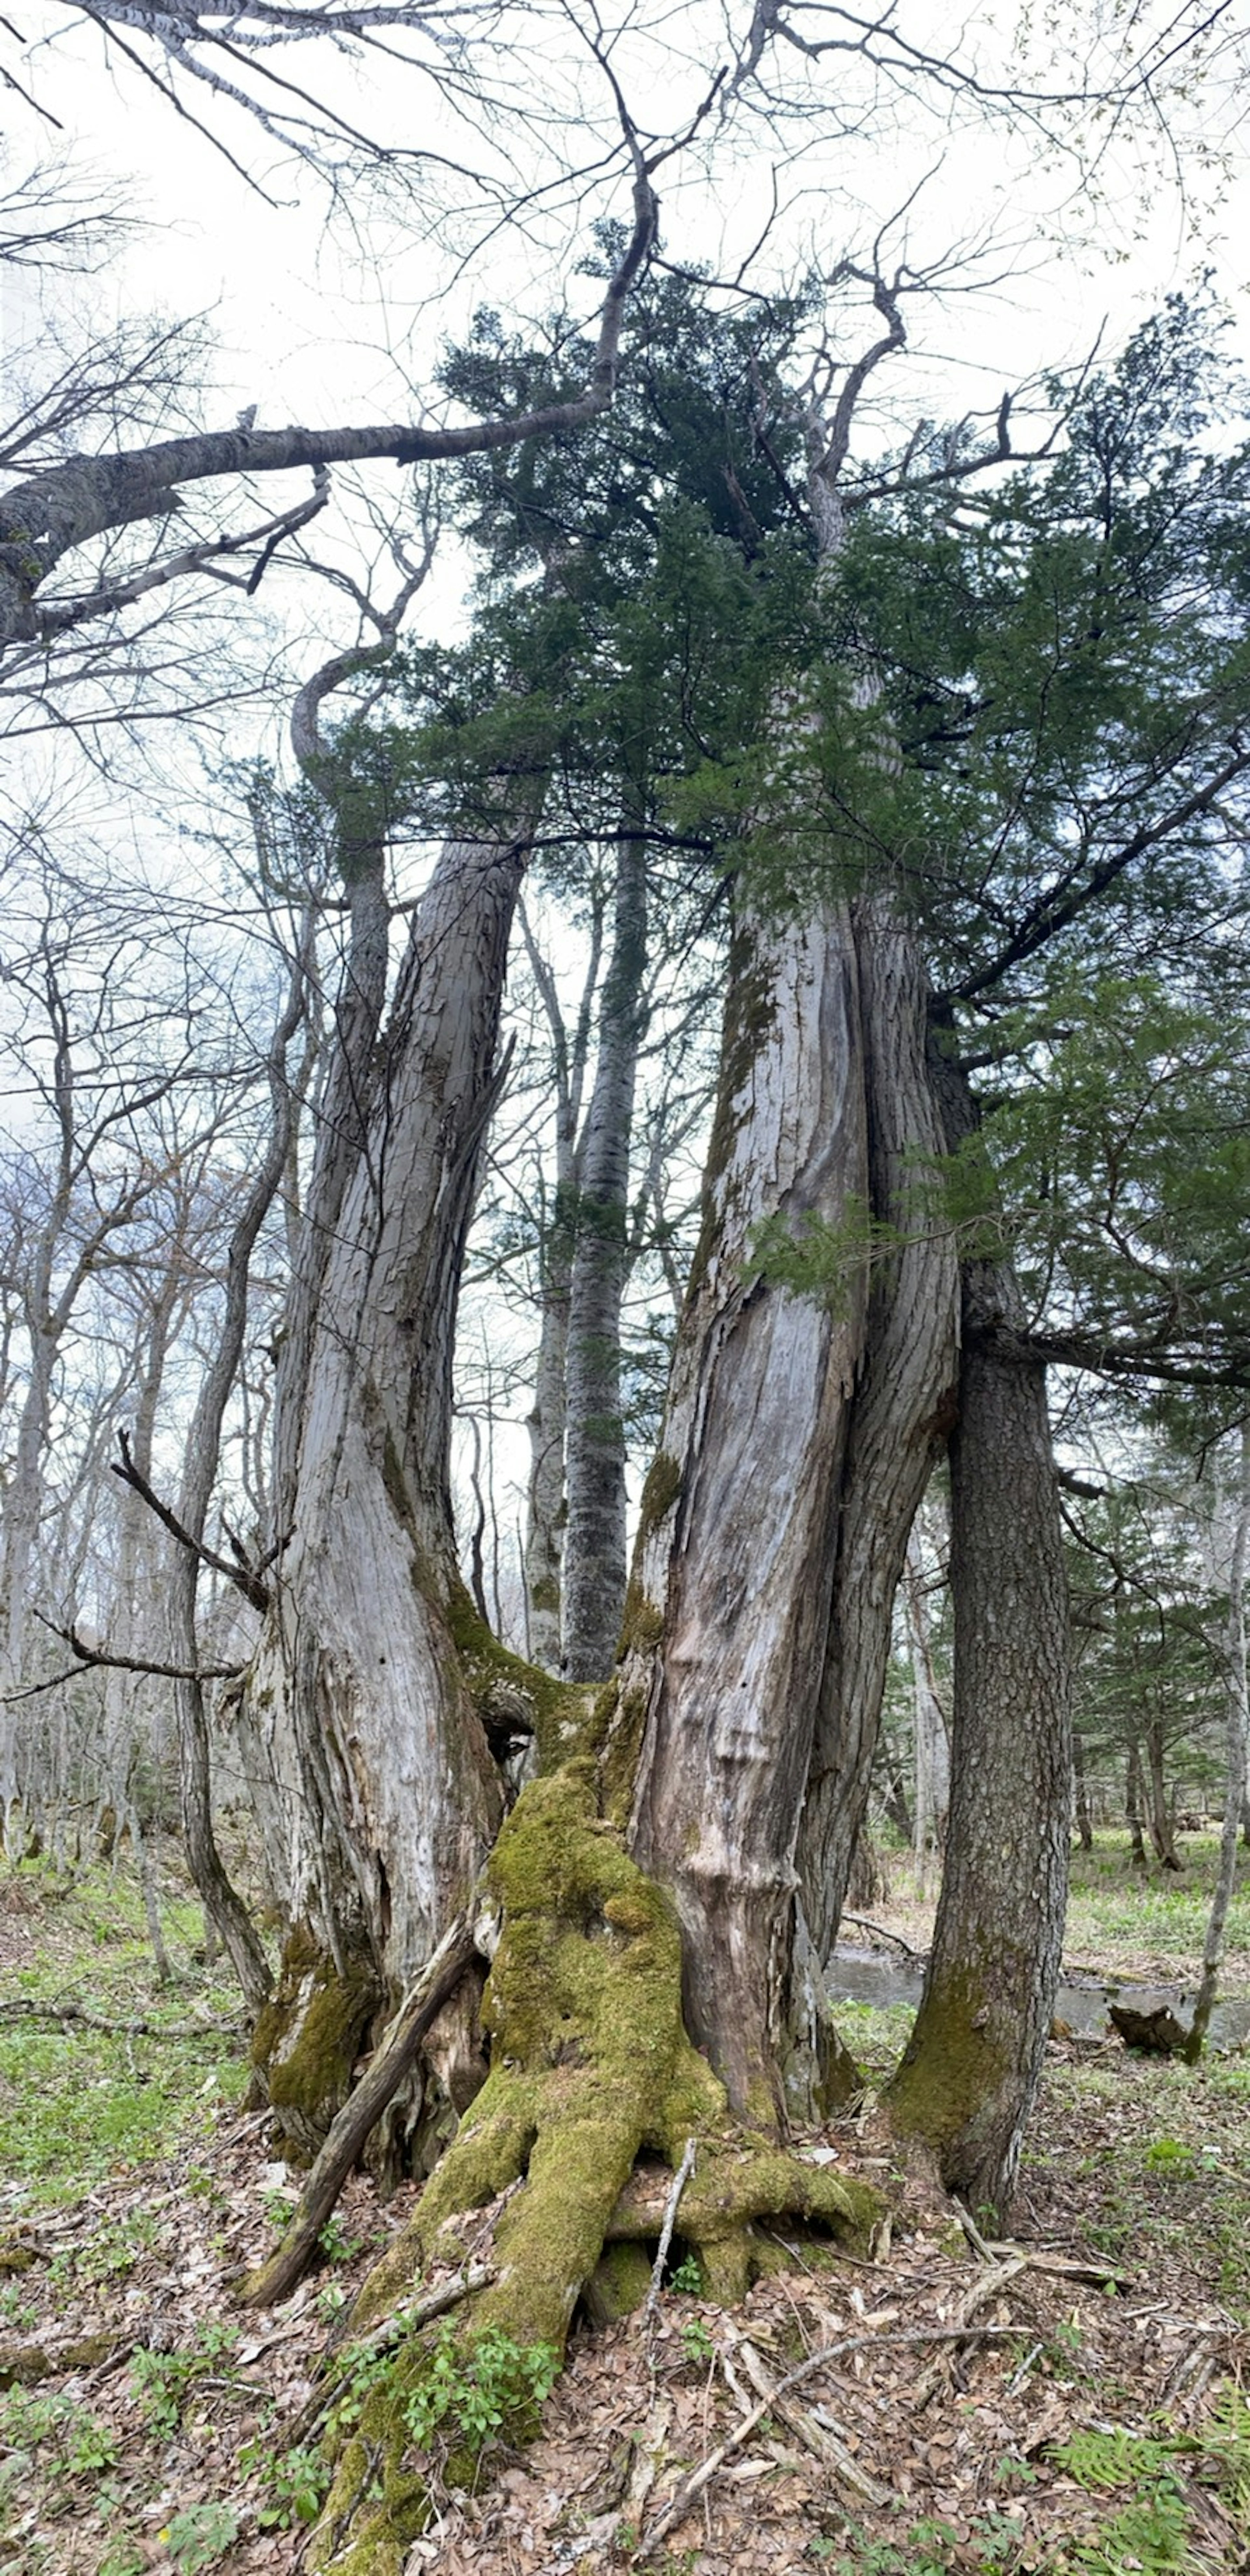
727 1617
1237 1725
968 2075
1161 1831
932 1746
545 1424
1084 1822
220 1898
594 1550
1134 1801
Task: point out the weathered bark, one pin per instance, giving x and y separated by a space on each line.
727 1616
968 2075
594 1546
382 1796
902 1408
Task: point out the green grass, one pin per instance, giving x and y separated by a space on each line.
1118 1913
76 2103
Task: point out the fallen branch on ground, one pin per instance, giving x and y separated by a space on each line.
404 2320
421 2006
23 2008
701 2477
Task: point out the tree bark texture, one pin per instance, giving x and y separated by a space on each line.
383 1797
903 1405
968 2075
727 1616
594 1544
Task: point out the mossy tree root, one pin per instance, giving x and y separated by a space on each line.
591 2067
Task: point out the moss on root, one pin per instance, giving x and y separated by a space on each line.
591 2069
308 2037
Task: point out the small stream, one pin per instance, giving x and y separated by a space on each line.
864 1976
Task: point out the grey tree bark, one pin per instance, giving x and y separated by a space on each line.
727 1617
969 2072
381 1796
595 1548
1236 1753
904 1399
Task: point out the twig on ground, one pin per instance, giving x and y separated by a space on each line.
692 2486
23 2008
818 2433
680 2180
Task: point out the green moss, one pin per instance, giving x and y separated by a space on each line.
618 2284
622 1744
504 1686
308 2036
659 1493
947 2082
642 1624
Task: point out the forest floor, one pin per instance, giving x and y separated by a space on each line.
1079 2401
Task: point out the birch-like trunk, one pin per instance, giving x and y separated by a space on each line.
594 1543
728 1611
1237 1747
382 1795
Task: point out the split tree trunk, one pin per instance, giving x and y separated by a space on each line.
968 2075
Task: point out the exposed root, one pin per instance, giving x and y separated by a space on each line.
591 2068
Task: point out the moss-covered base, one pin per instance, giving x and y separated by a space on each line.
591 2069
308 2037
962 2087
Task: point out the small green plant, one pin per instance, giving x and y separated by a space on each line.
91 2446
468 2395
336 2245
297 2481
122 2558
279 2210
162 2381
697 2341
688 2277
1171 2158
201 2534
331 2300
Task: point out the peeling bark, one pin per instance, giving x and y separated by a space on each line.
727 1616
902 1407
383 1798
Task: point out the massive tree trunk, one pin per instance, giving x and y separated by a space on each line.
728 1610
904 1399
968 2075
383 1797
594 1546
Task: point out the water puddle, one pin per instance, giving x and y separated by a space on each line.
864 1976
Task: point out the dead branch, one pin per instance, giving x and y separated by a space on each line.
692 2486
24 2008
434 1987
680 2180
244 1577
